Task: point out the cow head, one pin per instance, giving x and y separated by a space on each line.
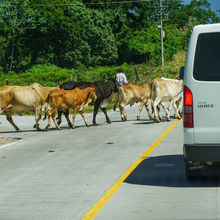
92 94
45 107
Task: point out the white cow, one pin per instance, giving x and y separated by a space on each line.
164 90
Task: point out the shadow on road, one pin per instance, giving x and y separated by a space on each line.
141 121
15 132
113 121
169 171
43 129
144 122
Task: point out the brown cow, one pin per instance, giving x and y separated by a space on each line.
21 98
129 94
66 99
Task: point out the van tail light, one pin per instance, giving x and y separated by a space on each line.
188 108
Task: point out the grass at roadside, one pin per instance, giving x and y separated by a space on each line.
169 70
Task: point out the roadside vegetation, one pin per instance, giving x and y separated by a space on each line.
51 75
50 40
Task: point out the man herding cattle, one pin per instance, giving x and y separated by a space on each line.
120 78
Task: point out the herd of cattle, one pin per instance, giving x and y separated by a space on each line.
78 95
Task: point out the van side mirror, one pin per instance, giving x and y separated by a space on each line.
182 72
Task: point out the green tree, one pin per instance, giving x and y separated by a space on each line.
199 10
65 33
16 19
74 36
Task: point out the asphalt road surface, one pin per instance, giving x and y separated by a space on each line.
84 173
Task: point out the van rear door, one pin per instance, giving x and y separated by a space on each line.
206 89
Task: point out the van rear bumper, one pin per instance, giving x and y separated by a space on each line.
201 152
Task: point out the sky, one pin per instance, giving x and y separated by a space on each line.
215 4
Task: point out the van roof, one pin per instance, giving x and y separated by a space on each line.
204 28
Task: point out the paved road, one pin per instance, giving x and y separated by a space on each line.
60 175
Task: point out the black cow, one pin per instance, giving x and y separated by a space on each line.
103 90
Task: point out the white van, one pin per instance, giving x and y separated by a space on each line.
202 98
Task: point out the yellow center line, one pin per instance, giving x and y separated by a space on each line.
101 202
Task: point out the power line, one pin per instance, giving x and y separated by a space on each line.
71 4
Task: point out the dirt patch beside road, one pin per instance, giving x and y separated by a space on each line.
6 140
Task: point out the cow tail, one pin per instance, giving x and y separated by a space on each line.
152 94
48 97
152 89
88 95
47 104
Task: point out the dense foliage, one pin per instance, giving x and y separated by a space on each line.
84 34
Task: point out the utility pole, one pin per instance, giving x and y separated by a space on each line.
161 32
161 12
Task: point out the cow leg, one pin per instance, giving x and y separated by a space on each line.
37 118
83 116
152 107
155 104
52 113
48 120
66 114
140 109
116 102
159 114
96 107
164 108
148 111
149 102
114 108
177 110
106 116
54 119
9 118
177 107
45 116
59 117
122 111
74 116
180 106
169 110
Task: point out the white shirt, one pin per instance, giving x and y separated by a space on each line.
120 79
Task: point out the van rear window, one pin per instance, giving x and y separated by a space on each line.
207 57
